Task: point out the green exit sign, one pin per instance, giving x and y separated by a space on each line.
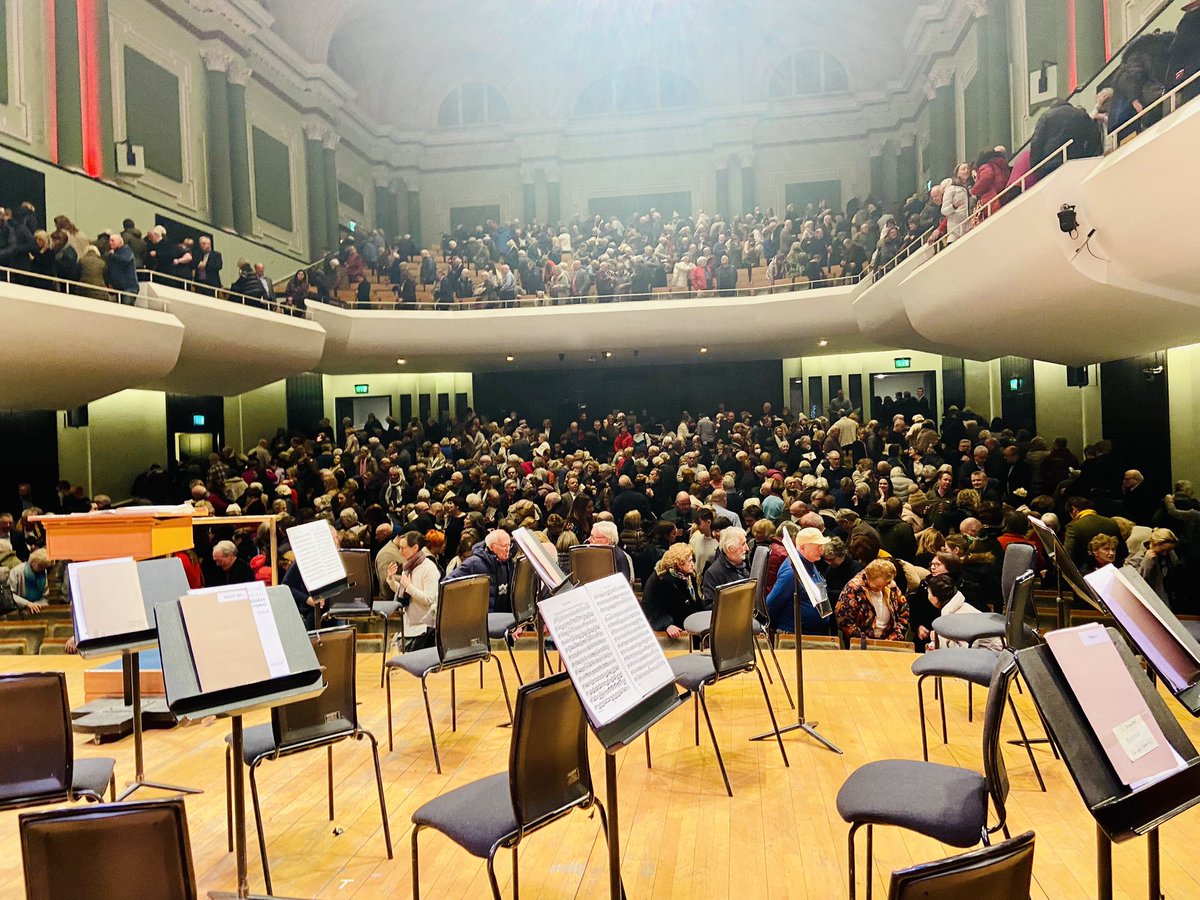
362 388
1015 384
903 362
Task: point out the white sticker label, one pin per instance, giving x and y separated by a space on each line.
1135 738
1089 636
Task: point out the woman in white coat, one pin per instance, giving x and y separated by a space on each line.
956 202
416 587
681 274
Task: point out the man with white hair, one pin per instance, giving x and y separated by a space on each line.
225 567
490 557
605 534
681 513
728 566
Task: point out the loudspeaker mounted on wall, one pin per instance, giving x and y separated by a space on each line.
131 159
1077 376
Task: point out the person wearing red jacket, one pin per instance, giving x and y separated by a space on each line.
623 440
991 177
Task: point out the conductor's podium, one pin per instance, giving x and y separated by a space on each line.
105 713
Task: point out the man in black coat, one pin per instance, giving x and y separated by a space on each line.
728 566
225 567
208 263
1061 123
16 243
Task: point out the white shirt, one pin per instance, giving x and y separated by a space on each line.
883 612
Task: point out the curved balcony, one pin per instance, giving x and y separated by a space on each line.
231 346
781 324
67 349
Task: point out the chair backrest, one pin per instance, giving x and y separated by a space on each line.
1001 872
360 574
523 590
135 849
758 571
994 769
548 758
1018 558
35 739
335 710
731 633
591 563
462 612
1017 635
862 643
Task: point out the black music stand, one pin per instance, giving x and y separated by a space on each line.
191 704
1064 568
1120 812
550 580
161 580
801 724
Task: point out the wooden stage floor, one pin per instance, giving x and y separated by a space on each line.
779 837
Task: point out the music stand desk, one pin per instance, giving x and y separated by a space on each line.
1120 812
191 704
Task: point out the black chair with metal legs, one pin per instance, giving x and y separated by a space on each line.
548 776
461 640
945 803
974 666
312 724
1003 871
132 849
37 749
502 625
731 652
971 627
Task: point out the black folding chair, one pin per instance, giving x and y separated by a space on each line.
591 562
548 776
503 625
731 652
945 803
322 721
111 852
1000 872
462 640
37 748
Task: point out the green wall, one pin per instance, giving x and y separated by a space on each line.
1046 37
351 197
152 114
975 118
272 180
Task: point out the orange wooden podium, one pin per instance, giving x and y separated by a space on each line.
140 532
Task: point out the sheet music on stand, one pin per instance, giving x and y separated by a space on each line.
608 648
818 594
542 557
317 555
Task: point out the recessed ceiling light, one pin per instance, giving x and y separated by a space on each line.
822 343
608 354
703 349
508 359
401 361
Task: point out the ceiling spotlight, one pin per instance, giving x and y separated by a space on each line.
703 349
508 359
401 361
822 343
608 354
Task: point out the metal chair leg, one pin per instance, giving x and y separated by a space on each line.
761 657
481 674
491 870
712 734
850 844
942 700
870 857
416 864
258 826
782 678
921 713
228 798
509 640
389 711
437 761
516 877
387 831
646 734
112 787
696 715
453 704
503 686
1028 748
970 702
383 661
771 712
329 766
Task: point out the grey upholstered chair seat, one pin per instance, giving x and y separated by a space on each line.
973 665
945 803
475 816
416 662
968 627
699 623
386 607
692 670
1192 627
91 775
257 741
499 623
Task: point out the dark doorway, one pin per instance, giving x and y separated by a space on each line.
18 184
460 405
856 398
816 396
469 217
954 382
443 407
897 392
1017 406
177 231
425 405
795 396
405 409
35 431
195 428
1135 415
305 403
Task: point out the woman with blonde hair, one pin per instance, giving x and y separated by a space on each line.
670 593
872 606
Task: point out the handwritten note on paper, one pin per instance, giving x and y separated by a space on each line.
316 555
